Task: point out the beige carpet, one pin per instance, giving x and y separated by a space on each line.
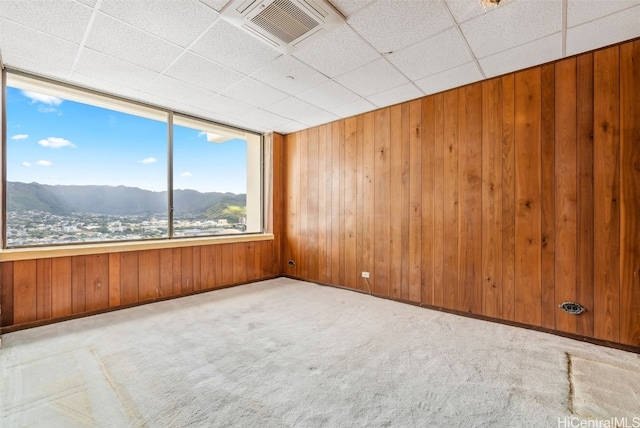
288 353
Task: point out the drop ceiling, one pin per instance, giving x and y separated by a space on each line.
181 55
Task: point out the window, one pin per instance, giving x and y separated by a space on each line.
82 167
213 168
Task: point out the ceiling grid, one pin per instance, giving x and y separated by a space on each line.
180 54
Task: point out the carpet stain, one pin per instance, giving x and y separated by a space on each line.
125 400
570 380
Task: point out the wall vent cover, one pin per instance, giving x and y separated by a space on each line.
283 24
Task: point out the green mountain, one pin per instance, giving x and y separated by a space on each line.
230 210
23 197
117 200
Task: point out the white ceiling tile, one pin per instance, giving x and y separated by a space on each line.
534 53
294 109
348 7
45 69
215 4
107 87
438 53
463 10
256 93
458 76
91 3
180 22
264 119
351 109
512 24
291 127
396 95
233 48
373 78
67 20
623 25
226 106
140 48
176 90
390 26
276 75
319 119
581 11
202 72
20 41
328 95
337 52
104 67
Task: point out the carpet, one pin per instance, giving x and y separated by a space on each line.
286 353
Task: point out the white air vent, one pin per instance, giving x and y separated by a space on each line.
283 24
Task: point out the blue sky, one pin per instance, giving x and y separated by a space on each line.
56 141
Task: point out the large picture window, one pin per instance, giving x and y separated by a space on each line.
83 167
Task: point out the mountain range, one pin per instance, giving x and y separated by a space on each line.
116 200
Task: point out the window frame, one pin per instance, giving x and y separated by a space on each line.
79 94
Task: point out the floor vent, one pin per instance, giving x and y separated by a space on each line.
283 24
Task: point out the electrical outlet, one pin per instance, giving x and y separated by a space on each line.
365 274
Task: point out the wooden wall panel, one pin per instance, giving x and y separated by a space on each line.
349 189
382 206
197 271
43 286
630 193
78 284
415 202
186 270
450 202
606 182
585 209
324 204
302 261
336 201
24 291
311 255
566 193
508 198
492 198
502 198
96 282
528 197
427 199
398 179
368 192
438 203
6 293
547 202
148 275
61 287
53 288
470 179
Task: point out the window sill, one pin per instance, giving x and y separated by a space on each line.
118 247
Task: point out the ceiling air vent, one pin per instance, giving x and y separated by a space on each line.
283 24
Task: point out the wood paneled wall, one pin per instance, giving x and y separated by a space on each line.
48 289
502 198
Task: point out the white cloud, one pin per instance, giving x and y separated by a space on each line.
20 137
44 163
43 109
186 174
56 143
41 98
149 160
202 134
27 164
